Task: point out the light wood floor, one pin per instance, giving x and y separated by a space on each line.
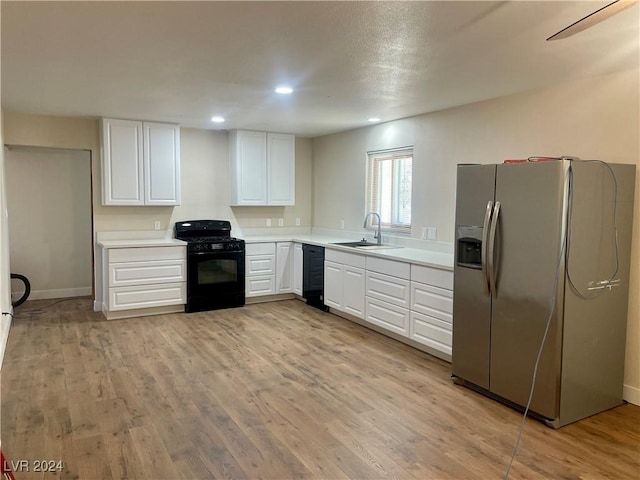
274 391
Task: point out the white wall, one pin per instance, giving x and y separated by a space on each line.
49 198
593 118
5 282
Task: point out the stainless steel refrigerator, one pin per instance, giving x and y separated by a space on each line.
531 238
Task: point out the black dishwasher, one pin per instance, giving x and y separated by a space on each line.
313 275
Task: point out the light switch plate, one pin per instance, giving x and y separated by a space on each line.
281 222
341 224
423 233
297 221
431 233
156 225
268 222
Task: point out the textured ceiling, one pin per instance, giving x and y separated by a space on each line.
347 61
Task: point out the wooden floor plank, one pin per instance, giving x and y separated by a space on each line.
273 391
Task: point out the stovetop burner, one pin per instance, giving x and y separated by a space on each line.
208 235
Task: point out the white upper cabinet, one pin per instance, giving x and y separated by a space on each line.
281 175
140 163
122 166
262 167
161 164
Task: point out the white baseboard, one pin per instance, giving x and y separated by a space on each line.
631 394
5 326
58 293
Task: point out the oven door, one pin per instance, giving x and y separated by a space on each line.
215 280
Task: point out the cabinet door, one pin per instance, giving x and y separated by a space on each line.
333 285
122 164
161 164
281 175
248 162
353 292
284 277
297 268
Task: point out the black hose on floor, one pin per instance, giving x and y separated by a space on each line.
27 289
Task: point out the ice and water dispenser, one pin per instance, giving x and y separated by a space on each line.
469 248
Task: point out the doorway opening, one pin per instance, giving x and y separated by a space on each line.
49 201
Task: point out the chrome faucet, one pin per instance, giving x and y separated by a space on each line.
376 235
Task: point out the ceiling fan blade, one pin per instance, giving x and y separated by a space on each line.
593 18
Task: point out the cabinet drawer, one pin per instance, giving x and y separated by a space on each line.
389 289
137 273
260 265
147 296
433 301
345 258
387 316
431 332
260 248
260 285
432 276
144 254
389 267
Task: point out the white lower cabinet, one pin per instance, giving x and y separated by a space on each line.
260 269
269 269
143 278
344 282
388 294
432 307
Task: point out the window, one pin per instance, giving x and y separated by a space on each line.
389 189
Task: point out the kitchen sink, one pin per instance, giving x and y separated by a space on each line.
364 245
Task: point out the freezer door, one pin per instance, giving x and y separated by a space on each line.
528 244
471 300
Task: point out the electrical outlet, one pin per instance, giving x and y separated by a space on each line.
281 222
297 221
341 224
431 233
268 222
156 225
423 233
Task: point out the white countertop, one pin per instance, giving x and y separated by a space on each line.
141 242
413 255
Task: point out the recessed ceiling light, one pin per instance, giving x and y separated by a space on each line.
217 119
283 90
374 119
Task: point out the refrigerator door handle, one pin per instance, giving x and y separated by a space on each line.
483 252
491 249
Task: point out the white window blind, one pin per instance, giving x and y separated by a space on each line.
389 188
